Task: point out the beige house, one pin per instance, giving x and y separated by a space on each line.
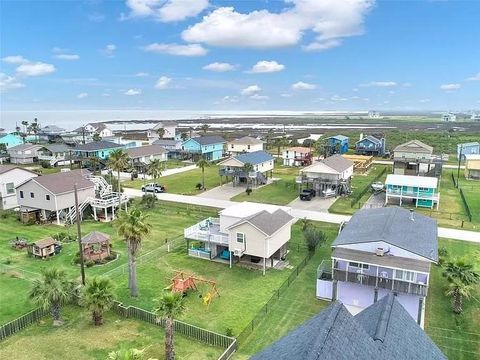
415 158
24 153
297 156
256 234
472 166
10 177
245 144
169 127
143 155
262 164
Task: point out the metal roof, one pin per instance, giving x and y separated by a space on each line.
411 180
145 150
255 157
208 140
97 145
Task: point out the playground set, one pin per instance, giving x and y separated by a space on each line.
182 282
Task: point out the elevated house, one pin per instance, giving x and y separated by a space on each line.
256 234
382 331
94 128
472 167
10 140
471 148
169 131
173 147
24 153
50 133
244 144
297 156
449 117
55 154
337 144
421 191
51 197
475 117
208 147
143 155
10 177
416 158
262 165
371 145
374 114
381 251
99 149
331 174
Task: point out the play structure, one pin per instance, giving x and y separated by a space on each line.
182 282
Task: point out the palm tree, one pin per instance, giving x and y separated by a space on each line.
204 128
460 269
161 132
133 227
268 138
247 169
96 137
184 136
94 161
34 128
97 296
458 290
118 160
52 291
170 306
23 135
202 164
154 169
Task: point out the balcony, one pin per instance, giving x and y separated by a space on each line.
236 172
411 193
207 230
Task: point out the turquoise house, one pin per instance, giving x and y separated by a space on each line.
100 149
208 147
418 191
11 140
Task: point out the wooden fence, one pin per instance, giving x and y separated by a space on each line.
22 322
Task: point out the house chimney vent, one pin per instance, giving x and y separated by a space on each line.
411 215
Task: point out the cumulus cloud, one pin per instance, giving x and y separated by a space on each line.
475 77
450 87
177 49
259 97
35 69
14 59
303 86
329 20
338 98
82 95
163 82
109 50
251 90
265 66
69 57
8 82
230 99
219 67
380 84
165 11
132 92
142 74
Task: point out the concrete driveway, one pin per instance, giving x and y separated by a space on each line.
375 201
224 192
316 204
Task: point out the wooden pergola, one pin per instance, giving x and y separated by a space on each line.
361 163
96 246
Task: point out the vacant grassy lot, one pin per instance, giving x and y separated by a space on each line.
184 183
78 339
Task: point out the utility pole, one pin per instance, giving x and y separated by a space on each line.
79 235
459 160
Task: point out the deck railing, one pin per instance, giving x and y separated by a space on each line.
200 231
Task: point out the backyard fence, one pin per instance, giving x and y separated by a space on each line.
367 188
465 204
453 179
22 322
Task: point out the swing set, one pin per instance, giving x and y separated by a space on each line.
182 282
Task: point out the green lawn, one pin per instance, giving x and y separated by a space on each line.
184 183
359 182
78 339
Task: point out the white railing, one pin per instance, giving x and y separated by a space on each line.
101 185
199 253
201 232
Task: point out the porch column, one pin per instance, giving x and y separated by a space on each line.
271 261
58 217
113 211
264 265
231 255
95 213
420 311
375 295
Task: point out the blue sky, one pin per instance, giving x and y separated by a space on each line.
239 55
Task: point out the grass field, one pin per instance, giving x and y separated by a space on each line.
184 183
78 339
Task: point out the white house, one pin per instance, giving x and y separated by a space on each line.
169 127
246 232
24 153
262 164
297 156
10 177
421 191
143 155
245 144
449 117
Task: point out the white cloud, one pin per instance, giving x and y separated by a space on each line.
285 95
407 84
219 67
14 59
82 95
475 77
259 97
230 99
35 69
9 83
177 49
59 50
96 17
338 98
165 11
424 101
163 82
250 90
450 87
329 20
109 50
380 84
67 57
303 86
265 66
132 92
142 74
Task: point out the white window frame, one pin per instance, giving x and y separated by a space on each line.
357 265
11 190
407 275
242 236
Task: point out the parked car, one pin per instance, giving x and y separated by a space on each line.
307 194
153 187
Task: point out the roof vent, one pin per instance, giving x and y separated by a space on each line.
411 215
380 251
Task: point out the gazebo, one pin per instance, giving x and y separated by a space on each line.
96 246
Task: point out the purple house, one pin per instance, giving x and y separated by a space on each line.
381 251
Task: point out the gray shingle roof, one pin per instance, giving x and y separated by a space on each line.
254 158
209 140
371 138
146 150
97 145
166 142
5 168
383 331
337 162
23 147
54 148
95 237
416 146
393 226
63 182
268 223
247 140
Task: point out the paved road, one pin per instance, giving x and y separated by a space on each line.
464 235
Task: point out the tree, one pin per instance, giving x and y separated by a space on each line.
52 291
457 291
23 134
305 223
247 169
204 128
94 162
184 136
460 269
321 147
34 128
154 169
268 138
313 237
161 132
96 137
202 164
170 306
280 142
133 227
118 160
97 296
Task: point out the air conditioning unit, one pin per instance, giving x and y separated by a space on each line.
238 252
380 251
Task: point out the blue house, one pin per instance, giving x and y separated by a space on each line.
208 147
100 149
11 140
471 148
370 145
420 191
337 144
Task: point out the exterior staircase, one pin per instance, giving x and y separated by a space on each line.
261 178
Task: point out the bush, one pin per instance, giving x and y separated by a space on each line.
198 186
5 214
149 201
45 164
64 236
112 256
229 332
313 237
248 191
89 263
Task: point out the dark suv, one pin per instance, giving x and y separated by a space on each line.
153 187
307 194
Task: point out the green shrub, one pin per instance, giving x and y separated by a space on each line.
313 237
89 263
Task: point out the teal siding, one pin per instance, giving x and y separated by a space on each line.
209 152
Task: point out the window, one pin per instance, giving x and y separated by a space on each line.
422 189
233 146
10 187
405 275
21 194
240 237
32 195
47 197
248 147
359 265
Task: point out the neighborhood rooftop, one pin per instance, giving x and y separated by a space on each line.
23 147
97 145
339 137
414 145
45 242
411 180
254 158
247 140
146 150
62 182
336 162
394 226
300 149
208 140
95 237
266 222
6 168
